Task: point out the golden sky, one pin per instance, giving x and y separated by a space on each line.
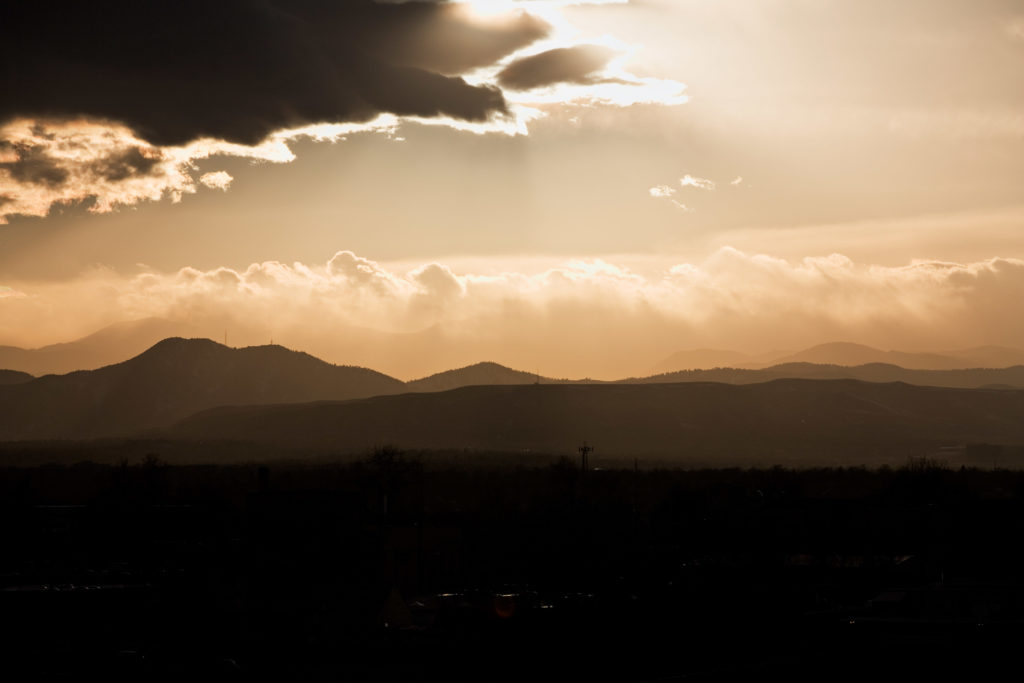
575 188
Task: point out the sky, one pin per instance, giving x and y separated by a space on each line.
573 188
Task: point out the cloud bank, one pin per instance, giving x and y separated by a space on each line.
112 102
586 317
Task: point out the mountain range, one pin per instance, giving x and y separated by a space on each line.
117 342
200 389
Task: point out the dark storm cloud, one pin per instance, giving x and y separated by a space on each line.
439 38
562 65
240 69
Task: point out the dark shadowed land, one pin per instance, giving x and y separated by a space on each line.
395 568
207 513
783 422
787 422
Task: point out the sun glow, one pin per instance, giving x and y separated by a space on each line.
489 10
499 10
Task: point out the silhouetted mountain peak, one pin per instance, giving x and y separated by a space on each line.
173 378
176 353
483 373
180 345
487 366
199 350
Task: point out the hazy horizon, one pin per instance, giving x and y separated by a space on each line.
120 342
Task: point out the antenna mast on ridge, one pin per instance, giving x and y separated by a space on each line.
585 452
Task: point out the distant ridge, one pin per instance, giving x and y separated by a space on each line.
173 379
971 378
845 354
826 421
989 356
700 359
111 344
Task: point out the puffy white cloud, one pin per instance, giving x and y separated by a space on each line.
666 192
46 164
699 183
105 165
218 180
584 317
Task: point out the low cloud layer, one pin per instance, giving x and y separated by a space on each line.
582 318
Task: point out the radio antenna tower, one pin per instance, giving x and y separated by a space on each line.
585 452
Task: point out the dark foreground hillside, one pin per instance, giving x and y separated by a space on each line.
781 422
391 569
14 377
